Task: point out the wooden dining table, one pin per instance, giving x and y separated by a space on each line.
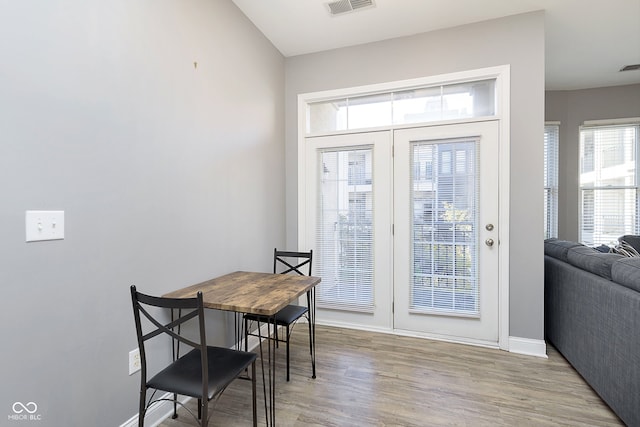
263 294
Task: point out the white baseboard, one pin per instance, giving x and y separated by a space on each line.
528 347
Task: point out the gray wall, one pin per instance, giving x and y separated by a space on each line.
572 108
168 175
516 40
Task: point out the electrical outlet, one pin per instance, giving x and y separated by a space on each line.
134 361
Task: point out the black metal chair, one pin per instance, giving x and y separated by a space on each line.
285 262
204 372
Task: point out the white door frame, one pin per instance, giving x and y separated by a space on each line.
502 76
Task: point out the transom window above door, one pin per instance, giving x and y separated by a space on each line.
418 105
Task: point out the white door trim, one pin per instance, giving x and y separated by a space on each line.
502 75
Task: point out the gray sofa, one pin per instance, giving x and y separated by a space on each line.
592 316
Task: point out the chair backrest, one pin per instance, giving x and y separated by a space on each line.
286 262
157 325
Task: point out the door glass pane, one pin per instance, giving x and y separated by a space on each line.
444 197
344 232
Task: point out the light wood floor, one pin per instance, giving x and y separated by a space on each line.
372 379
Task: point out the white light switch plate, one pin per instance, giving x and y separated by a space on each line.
44 225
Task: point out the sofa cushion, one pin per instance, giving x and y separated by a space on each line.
592 261
558 248
627 272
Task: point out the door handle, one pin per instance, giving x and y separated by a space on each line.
489 242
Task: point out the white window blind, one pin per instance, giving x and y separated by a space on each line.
344 231
444 194
551 141
608 183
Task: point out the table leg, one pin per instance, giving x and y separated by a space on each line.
272 370
269 378
311 304
238 328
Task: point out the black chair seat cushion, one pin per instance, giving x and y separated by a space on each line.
286 316
184 376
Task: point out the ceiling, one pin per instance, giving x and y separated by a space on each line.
587 41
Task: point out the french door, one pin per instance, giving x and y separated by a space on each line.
403 224
348 219
445 243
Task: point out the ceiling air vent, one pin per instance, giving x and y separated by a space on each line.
630 67
344 6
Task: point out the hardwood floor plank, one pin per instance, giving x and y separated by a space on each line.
373 379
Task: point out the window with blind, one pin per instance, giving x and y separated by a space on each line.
551 138
444 195
344 232
608 183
